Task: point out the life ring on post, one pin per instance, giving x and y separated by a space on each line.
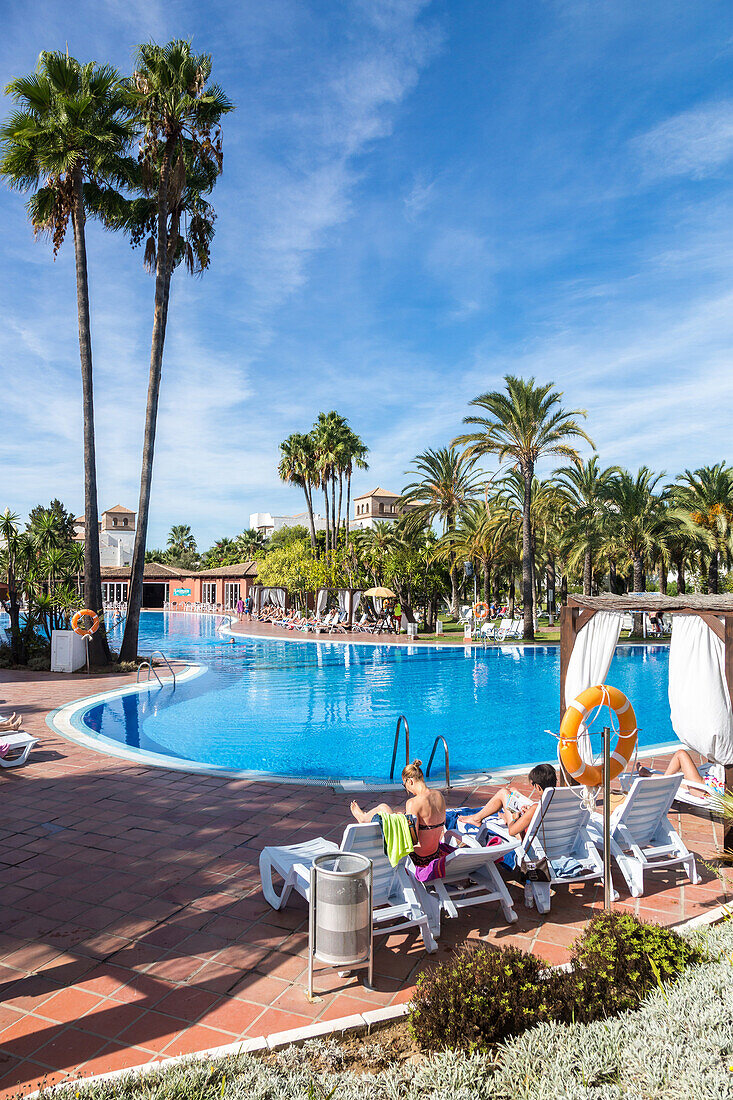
480 610
85 632
591 775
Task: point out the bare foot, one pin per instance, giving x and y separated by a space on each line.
470 819
357 812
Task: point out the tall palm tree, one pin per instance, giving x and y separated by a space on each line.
705 498
525 423
445 482
354 456
69 131
638 520
298 467
177 109
586 488
328 434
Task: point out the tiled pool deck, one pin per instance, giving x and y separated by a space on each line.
132 926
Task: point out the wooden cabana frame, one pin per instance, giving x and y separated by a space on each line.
715 611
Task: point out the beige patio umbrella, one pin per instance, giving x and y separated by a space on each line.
384 593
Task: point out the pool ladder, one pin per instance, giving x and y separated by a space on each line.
149 665
438 740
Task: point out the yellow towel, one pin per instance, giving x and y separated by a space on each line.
397 839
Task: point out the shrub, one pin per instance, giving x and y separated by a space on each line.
618 959
480 997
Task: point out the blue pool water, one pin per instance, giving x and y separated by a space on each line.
328 710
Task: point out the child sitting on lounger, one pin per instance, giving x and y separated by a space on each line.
426 806
516 808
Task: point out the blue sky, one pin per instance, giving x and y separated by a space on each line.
418 197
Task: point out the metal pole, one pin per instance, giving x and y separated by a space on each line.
370 972
311 931
607 885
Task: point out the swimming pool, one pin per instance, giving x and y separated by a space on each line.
327 710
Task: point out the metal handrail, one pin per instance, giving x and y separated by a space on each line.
160 653
150 668
447 761
400 720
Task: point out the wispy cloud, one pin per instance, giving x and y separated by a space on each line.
696 142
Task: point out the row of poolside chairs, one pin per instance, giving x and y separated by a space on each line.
503 631
333 622
564 836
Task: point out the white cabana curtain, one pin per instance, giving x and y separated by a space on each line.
589 664
342 595
355 597
699 701
321 601
277 595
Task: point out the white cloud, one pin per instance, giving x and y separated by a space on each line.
696 142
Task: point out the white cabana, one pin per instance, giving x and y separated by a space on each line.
699 699
589 664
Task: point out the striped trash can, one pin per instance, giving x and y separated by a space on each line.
340 913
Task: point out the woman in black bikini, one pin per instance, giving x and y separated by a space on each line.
427 807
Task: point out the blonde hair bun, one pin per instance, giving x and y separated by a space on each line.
413 771
417 763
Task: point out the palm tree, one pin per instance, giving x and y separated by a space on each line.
181 541
445 484
328 433
705 499
586 487
69 131
251 544
354 455
171 100
637 517
298 467
525 423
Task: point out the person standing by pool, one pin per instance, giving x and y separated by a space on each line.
248 607
240 607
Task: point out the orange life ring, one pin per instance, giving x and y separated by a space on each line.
591 775
480 610
85 632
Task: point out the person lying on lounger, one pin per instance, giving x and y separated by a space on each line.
425 805
683 762
14 722
516 809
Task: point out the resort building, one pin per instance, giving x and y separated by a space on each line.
156 579
266 523
377 506
212 587
116 535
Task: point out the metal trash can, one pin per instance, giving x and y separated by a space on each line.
340 913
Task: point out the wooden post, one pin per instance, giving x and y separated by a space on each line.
728 669
568 633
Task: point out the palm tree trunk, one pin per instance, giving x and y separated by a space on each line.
511 592
128 649
98 647
348 505
487 580
309 505
638 568
587 571
325 497
681 584
663 576
550 574
612 578
713 574
527 601
338 513
454 592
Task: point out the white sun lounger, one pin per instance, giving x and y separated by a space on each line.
399 900
560 830
504 631
20 746
472 877
642 836
689 793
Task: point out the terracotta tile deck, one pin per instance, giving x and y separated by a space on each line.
132 926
